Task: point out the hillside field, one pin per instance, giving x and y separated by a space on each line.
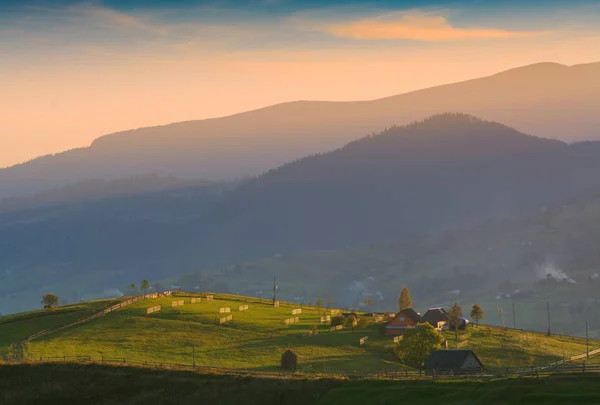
255 339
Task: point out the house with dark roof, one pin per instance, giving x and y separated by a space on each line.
403 320
456 362
436 317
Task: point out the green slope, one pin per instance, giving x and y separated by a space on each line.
18 327
255 339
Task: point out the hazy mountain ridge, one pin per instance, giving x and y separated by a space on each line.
543 99
447 171
90 190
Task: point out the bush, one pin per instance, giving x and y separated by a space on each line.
351 321
338 320
364 322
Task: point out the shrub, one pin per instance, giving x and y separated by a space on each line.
338 320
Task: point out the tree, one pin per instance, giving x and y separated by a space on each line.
404 301
351 321
455 312
145 285
368 302
417 344
477 313
337 320
319 304
363 322
50 301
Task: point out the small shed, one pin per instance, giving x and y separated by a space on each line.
289 361
403 320
456 362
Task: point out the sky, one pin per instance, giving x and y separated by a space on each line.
71 71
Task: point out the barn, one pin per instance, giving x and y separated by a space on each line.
436 317
456 362
403 320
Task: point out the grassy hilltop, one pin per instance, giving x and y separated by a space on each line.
254 340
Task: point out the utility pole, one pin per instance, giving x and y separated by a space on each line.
587 345
548 308
274 290
501 313
514 317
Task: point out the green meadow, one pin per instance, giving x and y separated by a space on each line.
254 339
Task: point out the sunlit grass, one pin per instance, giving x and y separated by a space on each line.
254 339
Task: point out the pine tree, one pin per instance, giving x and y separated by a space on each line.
404 301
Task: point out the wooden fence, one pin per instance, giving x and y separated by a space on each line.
307 371
125 302
224 310
243 308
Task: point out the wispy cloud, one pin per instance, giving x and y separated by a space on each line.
111 18
418 26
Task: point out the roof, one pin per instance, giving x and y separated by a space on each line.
449 359
411 314
435 315
289 354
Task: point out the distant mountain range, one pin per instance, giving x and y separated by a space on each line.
545 99
448 170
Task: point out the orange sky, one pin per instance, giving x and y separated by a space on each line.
64 97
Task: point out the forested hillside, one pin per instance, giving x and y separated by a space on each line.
451 170
544 99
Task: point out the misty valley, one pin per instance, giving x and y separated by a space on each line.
457 208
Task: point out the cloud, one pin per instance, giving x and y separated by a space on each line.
111 18
418 27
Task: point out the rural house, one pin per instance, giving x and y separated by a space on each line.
456 362
405 319
436 317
